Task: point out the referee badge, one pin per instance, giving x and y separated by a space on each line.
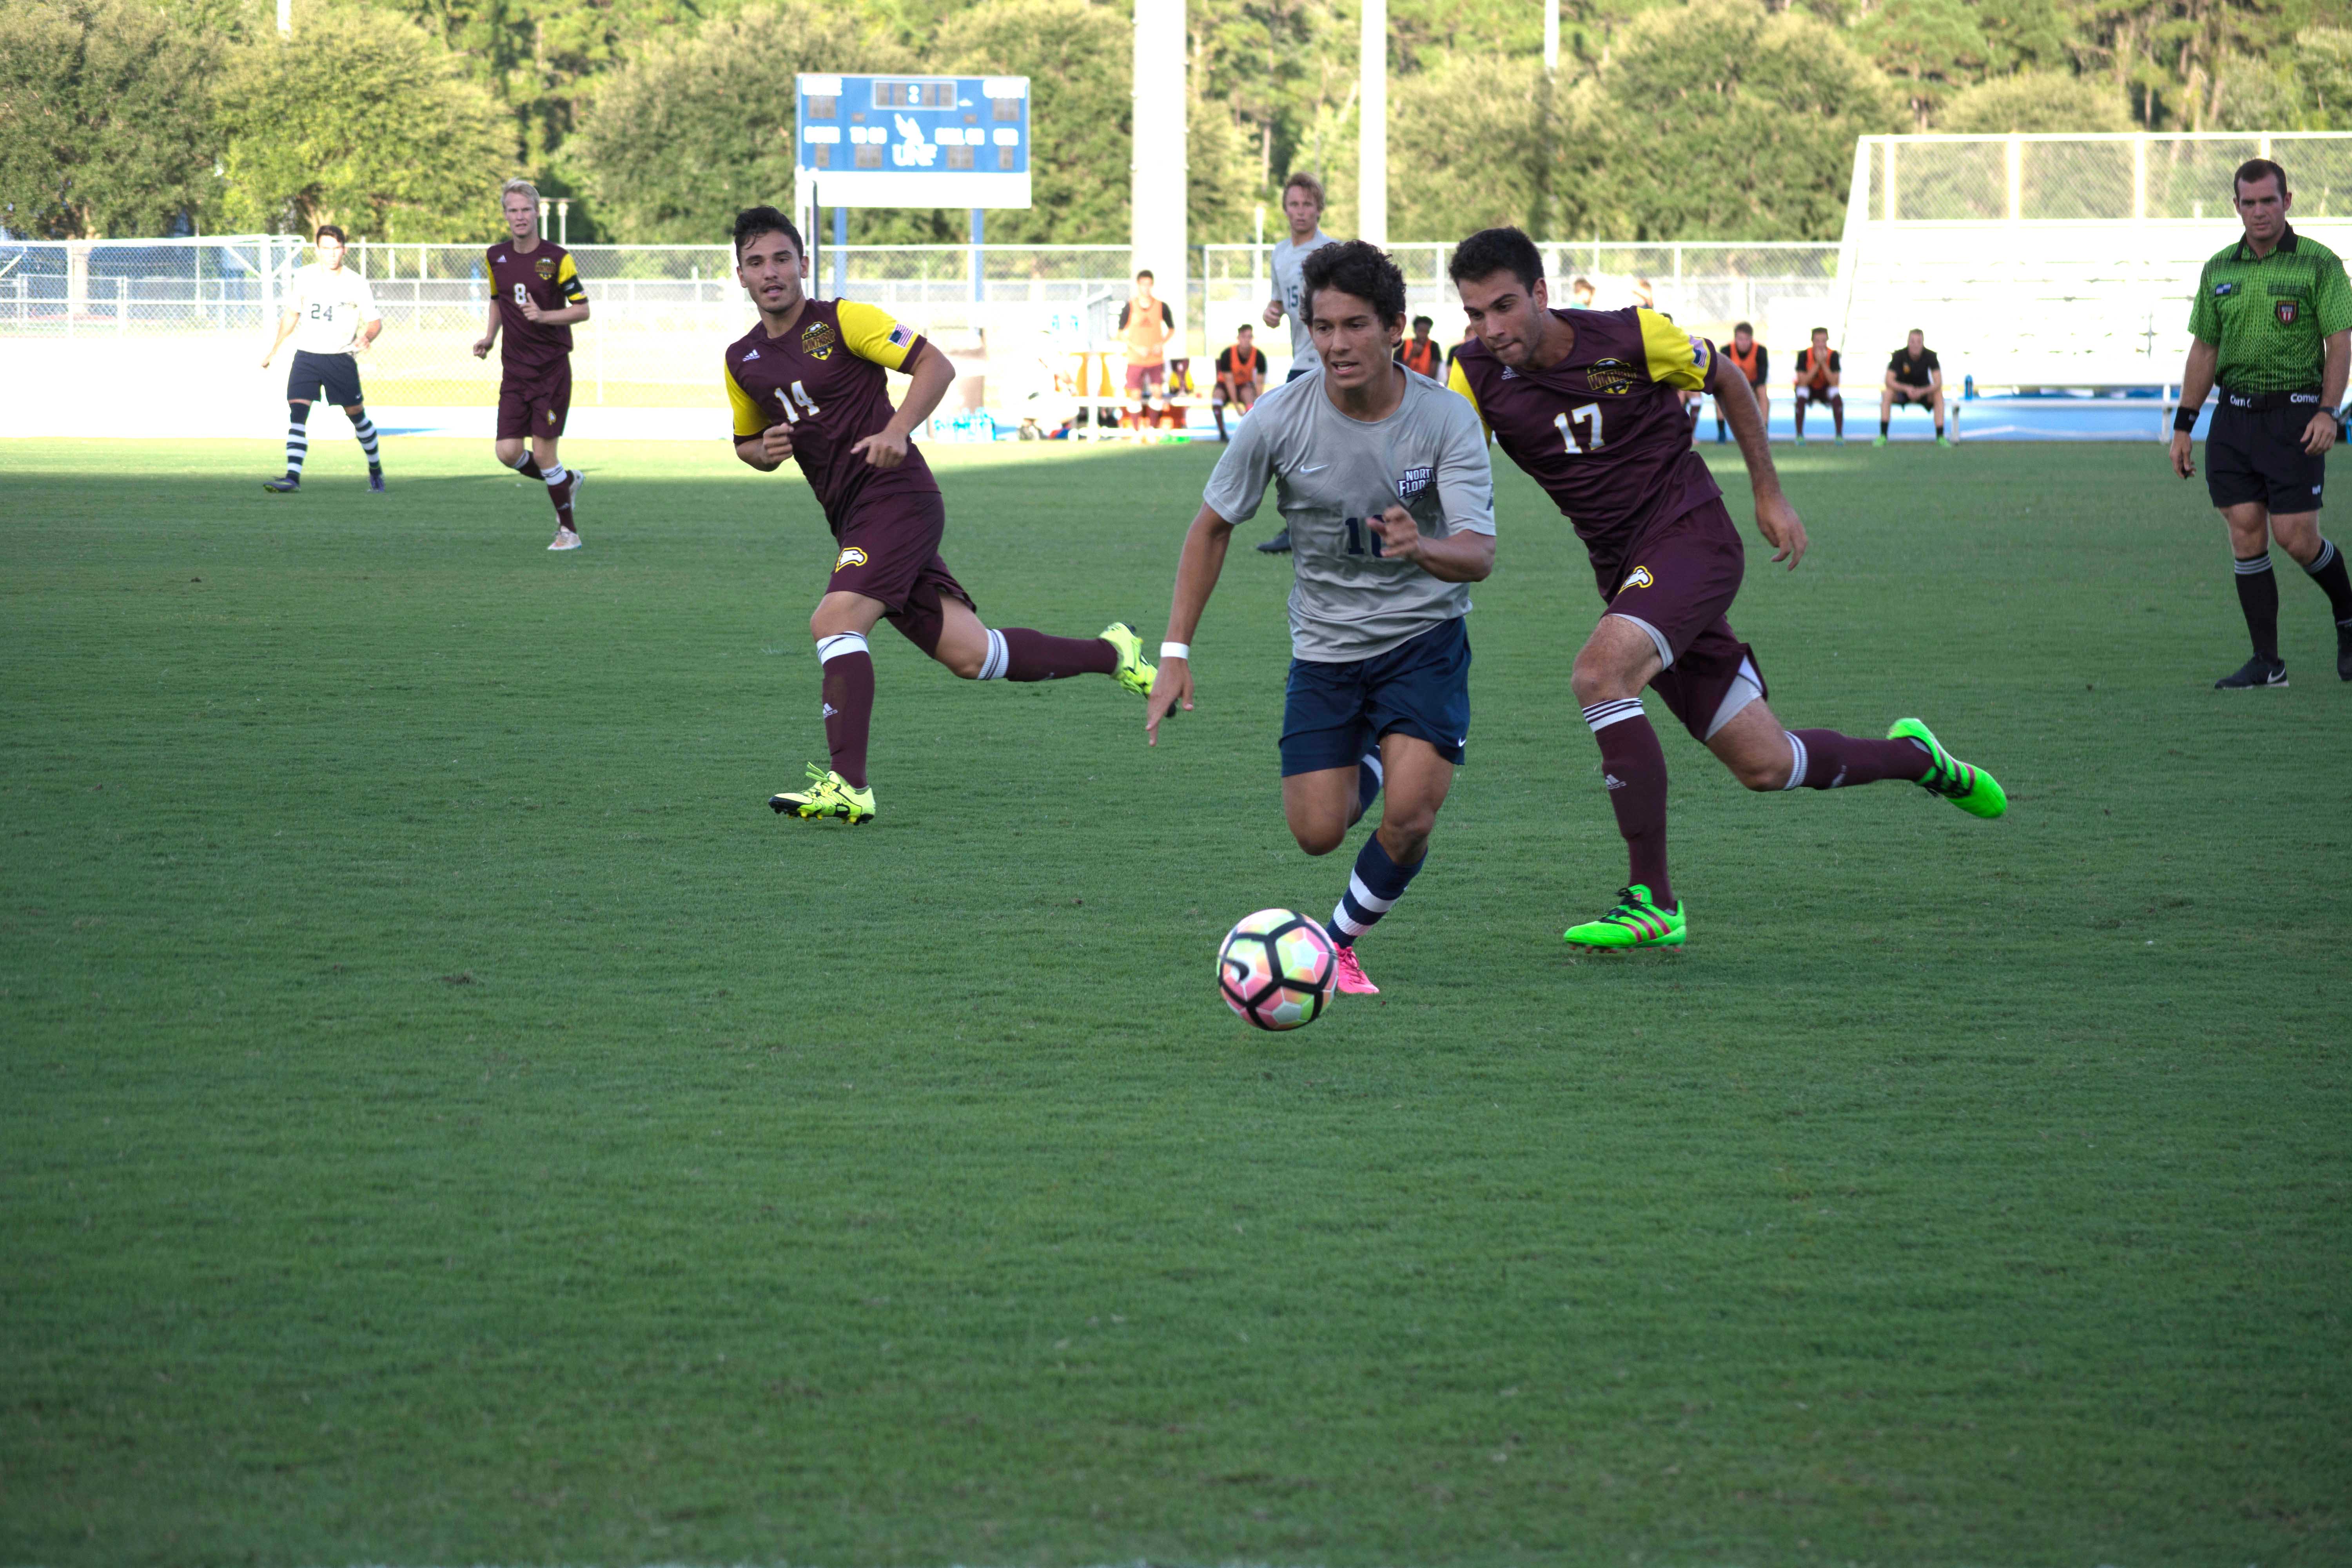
2285 309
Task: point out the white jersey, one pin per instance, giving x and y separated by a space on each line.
1290 288
332 306
1331 473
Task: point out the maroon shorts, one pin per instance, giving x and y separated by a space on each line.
1146 380
535 405
1677 582
890 549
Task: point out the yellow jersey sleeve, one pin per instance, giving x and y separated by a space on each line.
1676 358
1457 381
750 418
567 282
871 334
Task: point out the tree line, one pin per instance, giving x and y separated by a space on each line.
1665 120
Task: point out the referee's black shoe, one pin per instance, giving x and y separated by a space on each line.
1279 545
2257 671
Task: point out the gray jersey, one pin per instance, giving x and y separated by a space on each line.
1290 288
1331 473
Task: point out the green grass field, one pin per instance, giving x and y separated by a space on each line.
450 1120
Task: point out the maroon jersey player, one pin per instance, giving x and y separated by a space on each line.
1589 403
811 382
535 296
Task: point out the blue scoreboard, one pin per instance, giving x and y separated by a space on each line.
913 141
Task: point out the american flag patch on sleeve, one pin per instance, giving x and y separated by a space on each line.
903 336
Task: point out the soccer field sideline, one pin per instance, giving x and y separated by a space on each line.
1967 1194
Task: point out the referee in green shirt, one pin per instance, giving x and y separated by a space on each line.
2272 322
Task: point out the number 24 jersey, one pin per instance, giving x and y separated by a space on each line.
827 377
1603 431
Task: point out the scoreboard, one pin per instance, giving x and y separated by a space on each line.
913 141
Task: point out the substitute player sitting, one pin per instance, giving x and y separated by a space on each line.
535 295
332 318
1383 483
1914 376
1819 372
1240 377
809 383
1587 402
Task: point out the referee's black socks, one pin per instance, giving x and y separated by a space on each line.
2327 569
2258 597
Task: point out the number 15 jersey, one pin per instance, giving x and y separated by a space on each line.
829 379
1603 431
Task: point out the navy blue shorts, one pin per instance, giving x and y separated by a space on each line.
338 373
1334 713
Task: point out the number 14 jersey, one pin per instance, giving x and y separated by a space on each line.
827 377
1603 431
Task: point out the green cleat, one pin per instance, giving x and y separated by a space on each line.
827 793
1634 922
1969 787
1134 672
1880 442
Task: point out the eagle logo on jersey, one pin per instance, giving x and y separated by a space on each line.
817 339
545 268
853 556
2285 309
1640 578
1611 375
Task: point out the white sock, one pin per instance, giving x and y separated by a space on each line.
554 475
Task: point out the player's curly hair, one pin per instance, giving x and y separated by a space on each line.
753 222
1356 266
1493 250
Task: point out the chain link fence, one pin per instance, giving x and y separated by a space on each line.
664 313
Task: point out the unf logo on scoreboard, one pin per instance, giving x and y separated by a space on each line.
914 140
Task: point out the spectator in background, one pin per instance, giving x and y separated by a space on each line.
1418 353
1818 375
1644 295
1241 376
1580 296
1302 206
1469 336
1913 374
1146 324
1754 361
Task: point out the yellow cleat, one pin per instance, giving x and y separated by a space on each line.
1134 672
827 794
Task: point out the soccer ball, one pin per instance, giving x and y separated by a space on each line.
1276 969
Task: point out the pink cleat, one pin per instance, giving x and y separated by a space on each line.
1353 982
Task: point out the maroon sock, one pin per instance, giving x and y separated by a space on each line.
1633 766
560 493
848 703
1827 759
529 467
1034 656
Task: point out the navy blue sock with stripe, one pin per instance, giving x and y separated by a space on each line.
298 437
1373 889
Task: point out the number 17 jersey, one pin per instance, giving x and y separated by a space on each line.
829 379
1603 431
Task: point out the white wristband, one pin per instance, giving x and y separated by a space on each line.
1182 650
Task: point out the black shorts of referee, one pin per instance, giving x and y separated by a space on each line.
2253 452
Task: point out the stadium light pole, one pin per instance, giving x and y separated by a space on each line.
1372 126
1156 190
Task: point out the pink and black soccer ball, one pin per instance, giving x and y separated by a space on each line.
1278 969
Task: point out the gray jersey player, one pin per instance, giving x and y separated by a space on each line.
1302 206
1382 477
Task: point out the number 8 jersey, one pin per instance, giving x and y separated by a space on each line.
1603 431
827 378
